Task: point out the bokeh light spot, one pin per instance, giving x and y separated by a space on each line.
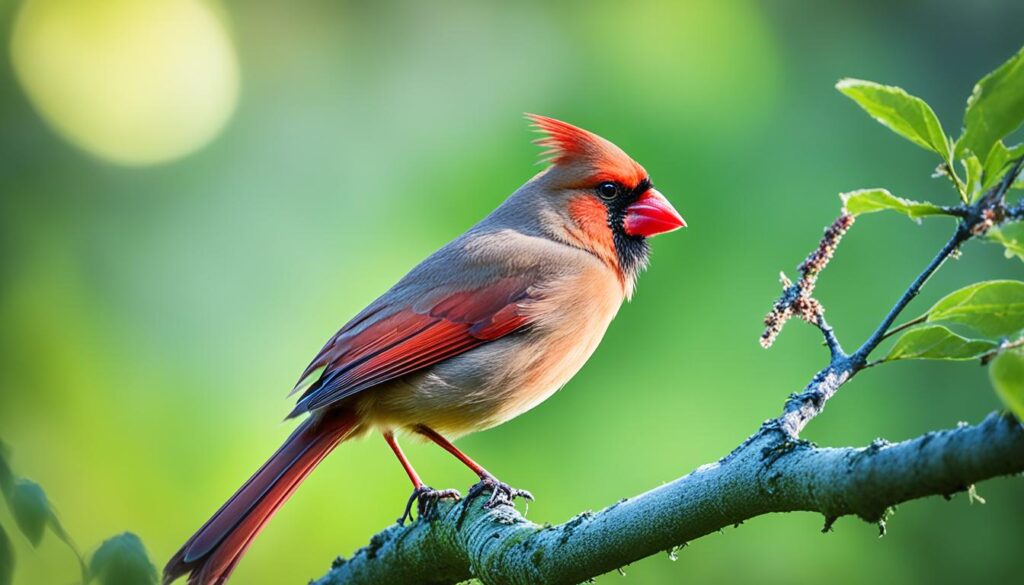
131 82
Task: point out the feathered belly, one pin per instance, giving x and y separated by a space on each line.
481 388
495 382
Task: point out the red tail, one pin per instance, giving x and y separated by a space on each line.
212 552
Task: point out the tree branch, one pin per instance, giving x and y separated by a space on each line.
801 408
1015 213
769 473
797 298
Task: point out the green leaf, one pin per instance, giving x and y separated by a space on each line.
6 559
1011 236
995 108
872 200
30 508
1007 375
901 112
974 172
994 308
935 342
998 160
122 560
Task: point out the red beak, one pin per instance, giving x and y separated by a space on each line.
651 215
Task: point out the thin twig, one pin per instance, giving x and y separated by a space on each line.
801 408
961 211
834 347
1008 179
947 168
962 234
797 298
965 230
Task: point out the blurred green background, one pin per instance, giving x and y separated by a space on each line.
194 196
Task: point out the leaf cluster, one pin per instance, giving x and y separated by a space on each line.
984 320
121 560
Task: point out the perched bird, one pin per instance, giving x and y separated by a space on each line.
483 330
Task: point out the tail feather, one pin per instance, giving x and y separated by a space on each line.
214 550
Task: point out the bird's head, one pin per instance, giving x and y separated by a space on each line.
606 201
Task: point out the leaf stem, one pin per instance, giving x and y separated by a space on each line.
989 356
961 188
873 363
898 328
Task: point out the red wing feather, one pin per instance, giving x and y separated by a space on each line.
382 343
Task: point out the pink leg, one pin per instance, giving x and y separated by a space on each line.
447 446
500 492
413 476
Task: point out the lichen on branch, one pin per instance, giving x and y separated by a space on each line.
769 473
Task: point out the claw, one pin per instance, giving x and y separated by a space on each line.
426 499
501 493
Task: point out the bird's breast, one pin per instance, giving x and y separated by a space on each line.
504 378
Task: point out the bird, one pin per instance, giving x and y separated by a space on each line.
483 330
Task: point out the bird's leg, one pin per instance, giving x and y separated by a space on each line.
424 496
500 492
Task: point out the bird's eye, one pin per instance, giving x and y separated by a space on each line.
607 190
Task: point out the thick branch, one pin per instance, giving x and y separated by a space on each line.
769 473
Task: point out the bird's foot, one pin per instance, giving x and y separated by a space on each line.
501 493
426 499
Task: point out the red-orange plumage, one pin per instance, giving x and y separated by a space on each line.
591 219
412 338
212 553
566 144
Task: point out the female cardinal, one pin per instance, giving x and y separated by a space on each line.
481 331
